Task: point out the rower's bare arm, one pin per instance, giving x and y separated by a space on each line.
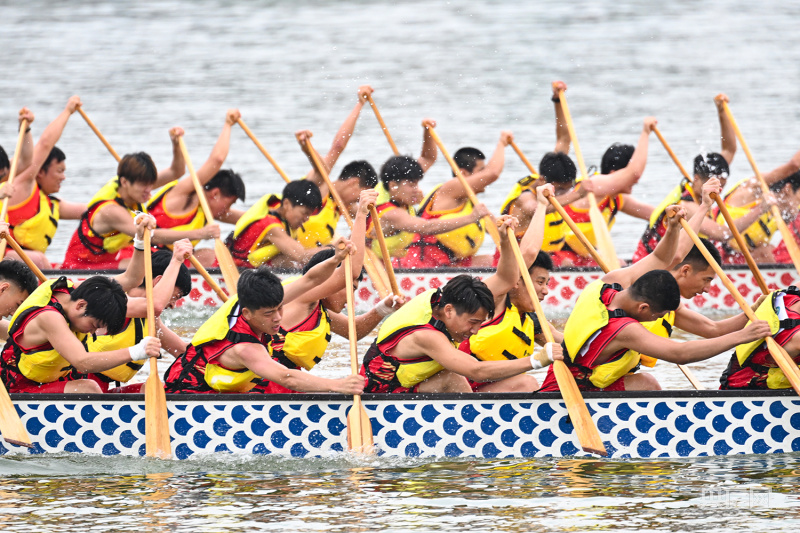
507 274
26 152
397 220
347 128
702 326
165 288
303 136
365 323
288 246
532 240
170 341
558 337
178 166
727 134
3 330
70 210
231 216
636 208
562 131
783 171
427 156
322 279
622 180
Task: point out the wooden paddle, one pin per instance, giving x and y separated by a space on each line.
677 162
788 237
226 264
11 172
157 443
359 426
585 428
740 241
523 158
379 278
785 363
596 256
263 150
487 220
207 277
99 135
24 256
599 223
382 123
387 260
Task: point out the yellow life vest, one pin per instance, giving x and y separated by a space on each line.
609 206
318 230
37 232
555 229
259 252
116 241
588 317
661 327
462 242
217 328
759 232
397 243
509 336
417 312
383 194
305 347
673 198
44 365
130 336
198 221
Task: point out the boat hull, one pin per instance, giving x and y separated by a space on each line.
644 425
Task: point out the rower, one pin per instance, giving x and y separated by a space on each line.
231 350
26 152
105 233
458 247
48 332
267 232
177 207
33 211
171 281
416 348
400 176
309 319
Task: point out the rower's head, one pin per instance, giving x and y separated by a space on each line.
261 300
336 301
300 200
540 275
786 190
52 172
707 166
653 295
463 305
401 175
694 274
469 160
5 164
355 177
99 302
183 284
137 175
17 282
557 168
223 190
616 158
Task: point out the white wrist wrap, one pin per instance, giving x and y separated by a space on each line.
138 244
138 352
386 310
543 358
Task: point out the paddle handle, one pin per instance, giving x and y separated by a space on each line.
577 231
198 187
99 135
207 277
382 123
263 150
762 284
11 172
488 222
727 110
562 97
522 157
387 260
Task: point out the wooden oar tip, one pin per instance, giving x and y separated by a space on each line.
18 443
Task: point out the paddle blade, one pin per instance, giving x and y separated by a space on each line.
229 271
11 425
366 431
588 435
157 442
603 236
354 431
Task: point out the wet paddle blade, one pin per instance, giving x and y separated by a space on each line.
157 442
601 233
588 435
229 271
11 425
366 431
354 430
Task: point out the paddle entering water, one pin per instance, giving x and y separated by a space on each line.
11 172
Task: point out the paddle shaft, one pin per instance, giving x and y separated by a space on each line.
11 172
207 277
487 220
785 363
677 162
577 231
99 135
387 260
383 124
24 256
354 429
522 157
263 150
762 284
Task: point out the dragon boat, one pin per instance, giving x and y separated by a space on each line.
565 285
632 425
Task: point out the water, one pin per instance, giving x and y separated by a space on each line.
478 68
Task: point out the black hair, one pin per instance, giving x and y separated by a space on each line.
466 158
105 301
367 177
712 165
323 255
137 168
467 295
17 273
616 157
400 168
658 289
695 258
557 167
228 182
303 193
793 180
543 260
4 162
55 155
161 260
259 289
